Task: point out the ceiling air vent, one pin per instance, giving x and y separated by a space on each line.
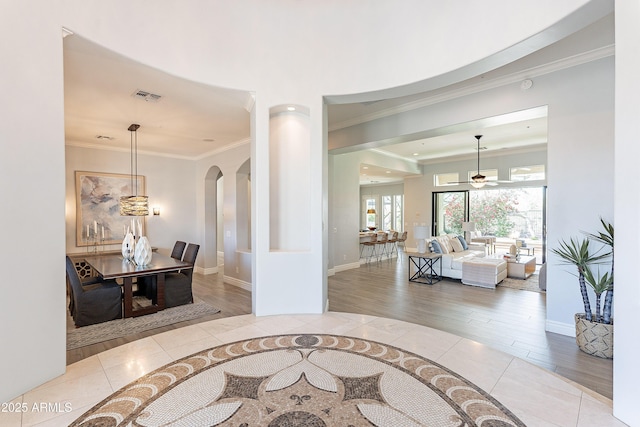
146 96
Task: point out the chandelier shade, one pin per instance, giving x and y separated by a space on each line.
134 205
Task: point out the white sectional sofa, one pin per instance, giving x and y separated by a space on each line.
453 255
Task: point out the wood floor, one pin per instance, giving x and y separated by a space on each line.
507 319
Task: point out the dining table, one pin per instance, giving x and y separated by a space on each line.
117 267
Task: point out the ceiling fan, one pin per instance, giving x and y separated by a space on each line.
478 180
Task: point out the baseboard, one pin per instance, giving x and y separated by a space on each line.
237 282
205 271
344 267
561 328
331 272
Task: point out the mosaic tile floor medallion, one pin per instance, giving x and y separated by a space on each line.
301 380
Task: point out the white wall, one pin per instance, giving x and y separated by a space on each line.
280 68
169 184
32 307
626 375
237 264
580 142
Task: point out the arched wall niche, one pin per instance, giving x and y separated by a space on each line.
289 178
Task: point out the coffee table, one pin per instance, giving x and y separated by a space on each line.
521 267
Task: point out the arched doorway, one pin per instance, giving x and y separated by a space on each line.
213 220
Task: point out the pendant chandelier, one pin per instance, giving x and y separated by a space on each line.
134 205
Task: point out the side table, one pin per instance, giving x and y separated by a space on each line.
424 264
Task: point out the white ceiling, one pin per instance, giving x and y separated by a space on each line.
192 120
189 121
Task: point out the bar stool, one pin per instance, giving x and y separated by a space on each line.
402 239
393 241
371 244
382 240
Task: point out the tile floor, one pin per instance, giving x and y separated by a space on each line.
536 396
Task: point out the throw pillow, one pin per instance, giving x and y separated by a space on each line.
457 246
443 247
463 242
435 247
445 244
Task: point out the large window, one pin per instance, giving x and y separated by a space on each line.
505 213
445 179
527 173
392 207
389 212
449 211
370 206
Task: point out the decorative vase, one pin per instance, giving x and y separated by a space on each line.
594 338
143 252
128 246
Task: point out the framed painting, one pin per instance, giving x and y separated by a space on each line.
98 210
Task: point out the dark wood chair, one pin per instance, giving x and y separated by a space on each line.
177 286
96 303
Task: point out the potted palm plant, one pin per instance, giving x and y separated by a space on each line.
594 329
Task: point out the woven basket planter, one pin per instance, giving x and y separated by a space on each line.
594 338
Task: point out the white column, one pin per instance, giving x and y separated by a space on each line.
626 374
289 271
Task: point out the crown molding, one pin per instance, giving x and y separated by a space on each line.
517 77
224 149
159 154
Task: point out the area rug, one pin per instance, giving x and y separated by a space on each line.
301 380
105 331
530 284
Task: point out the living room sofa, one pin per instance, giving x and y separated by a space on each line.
468 261
454 254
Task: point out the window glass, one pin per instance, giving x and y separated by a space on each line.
370 217
398 212
527 173
445 179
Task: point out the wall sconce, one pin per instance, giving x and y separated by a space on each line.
156 211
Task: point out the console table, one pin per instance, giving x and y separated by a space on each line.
424 264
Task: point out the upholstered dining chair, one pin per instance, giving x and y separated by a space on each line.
147 284
177 286
95 303
178 249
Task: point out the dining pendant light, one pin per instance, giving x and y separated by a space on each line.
134 205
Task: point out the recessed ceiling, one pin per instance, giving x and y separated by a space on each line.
106 92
